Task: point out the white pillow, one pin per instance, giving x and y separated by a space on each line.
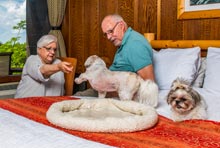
172 63
212 74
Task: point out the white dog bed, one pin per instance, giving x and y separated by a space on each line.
102 115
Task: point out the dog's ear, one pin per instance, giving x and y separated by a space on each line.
169 97
195 95
100 62
91 59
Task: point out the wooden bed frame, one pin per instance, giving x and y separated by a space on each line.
203 44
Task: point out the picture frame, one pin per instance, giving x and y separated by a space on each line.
186 11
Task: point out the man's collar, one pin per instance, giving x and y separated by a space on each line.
126 35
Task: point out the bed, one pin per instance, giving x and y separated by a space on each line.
24 124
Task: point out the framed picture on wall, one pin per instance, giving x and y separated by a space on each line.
197 9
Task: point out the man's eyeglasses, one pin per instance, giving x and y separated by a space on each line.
50 49
111 31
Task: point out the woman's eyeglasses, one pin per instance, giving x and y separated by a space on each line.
50 49
111 31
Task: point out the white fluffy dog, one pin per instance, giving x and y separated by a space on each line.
186 103
129 85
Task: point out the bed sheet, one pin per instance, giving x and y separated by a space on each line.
17 131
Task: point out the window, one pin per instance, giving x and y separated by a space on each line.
13 30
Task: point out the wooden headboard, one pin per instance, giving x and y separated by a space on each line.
203 44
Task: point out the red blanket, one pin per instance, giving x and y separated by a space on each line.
193 133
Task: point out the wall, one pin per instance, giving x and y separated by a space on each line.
83 36
191 29
82 25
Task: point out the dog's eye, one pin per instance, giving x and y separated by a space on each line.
87 66
173 98
183 99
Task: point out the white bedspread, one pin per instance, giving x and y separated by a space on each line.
19 132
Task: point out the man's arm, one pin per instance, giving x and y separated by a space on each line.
147 72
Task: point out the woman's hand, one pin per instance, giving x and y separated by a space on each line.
65 67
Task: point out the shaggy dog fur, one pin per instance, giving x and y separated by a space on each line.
185 102
129 85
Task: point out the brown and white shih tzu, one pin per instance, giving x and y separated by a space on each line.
186 103
129 85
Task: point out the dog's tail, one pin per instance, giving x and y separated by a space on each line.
148 93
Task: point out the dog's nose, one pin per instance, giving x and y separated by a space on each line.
177 101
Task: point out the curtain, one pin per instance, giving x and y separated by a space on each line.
37 23
56 11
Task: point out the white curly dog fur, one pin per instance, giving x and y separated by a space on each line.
129 85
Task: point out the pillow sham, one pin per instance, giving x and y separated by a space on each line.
212 81
175 62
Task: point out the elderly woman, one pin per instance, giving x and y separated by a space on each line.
42 74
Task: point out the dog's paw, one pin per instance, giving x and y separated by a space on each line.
101 94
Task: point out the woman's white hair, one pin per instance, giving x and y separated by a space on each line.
45 40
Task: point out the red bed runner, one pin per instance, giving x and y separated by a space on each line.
166 134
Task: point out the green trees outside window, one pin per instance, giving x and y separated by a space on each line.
13 45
